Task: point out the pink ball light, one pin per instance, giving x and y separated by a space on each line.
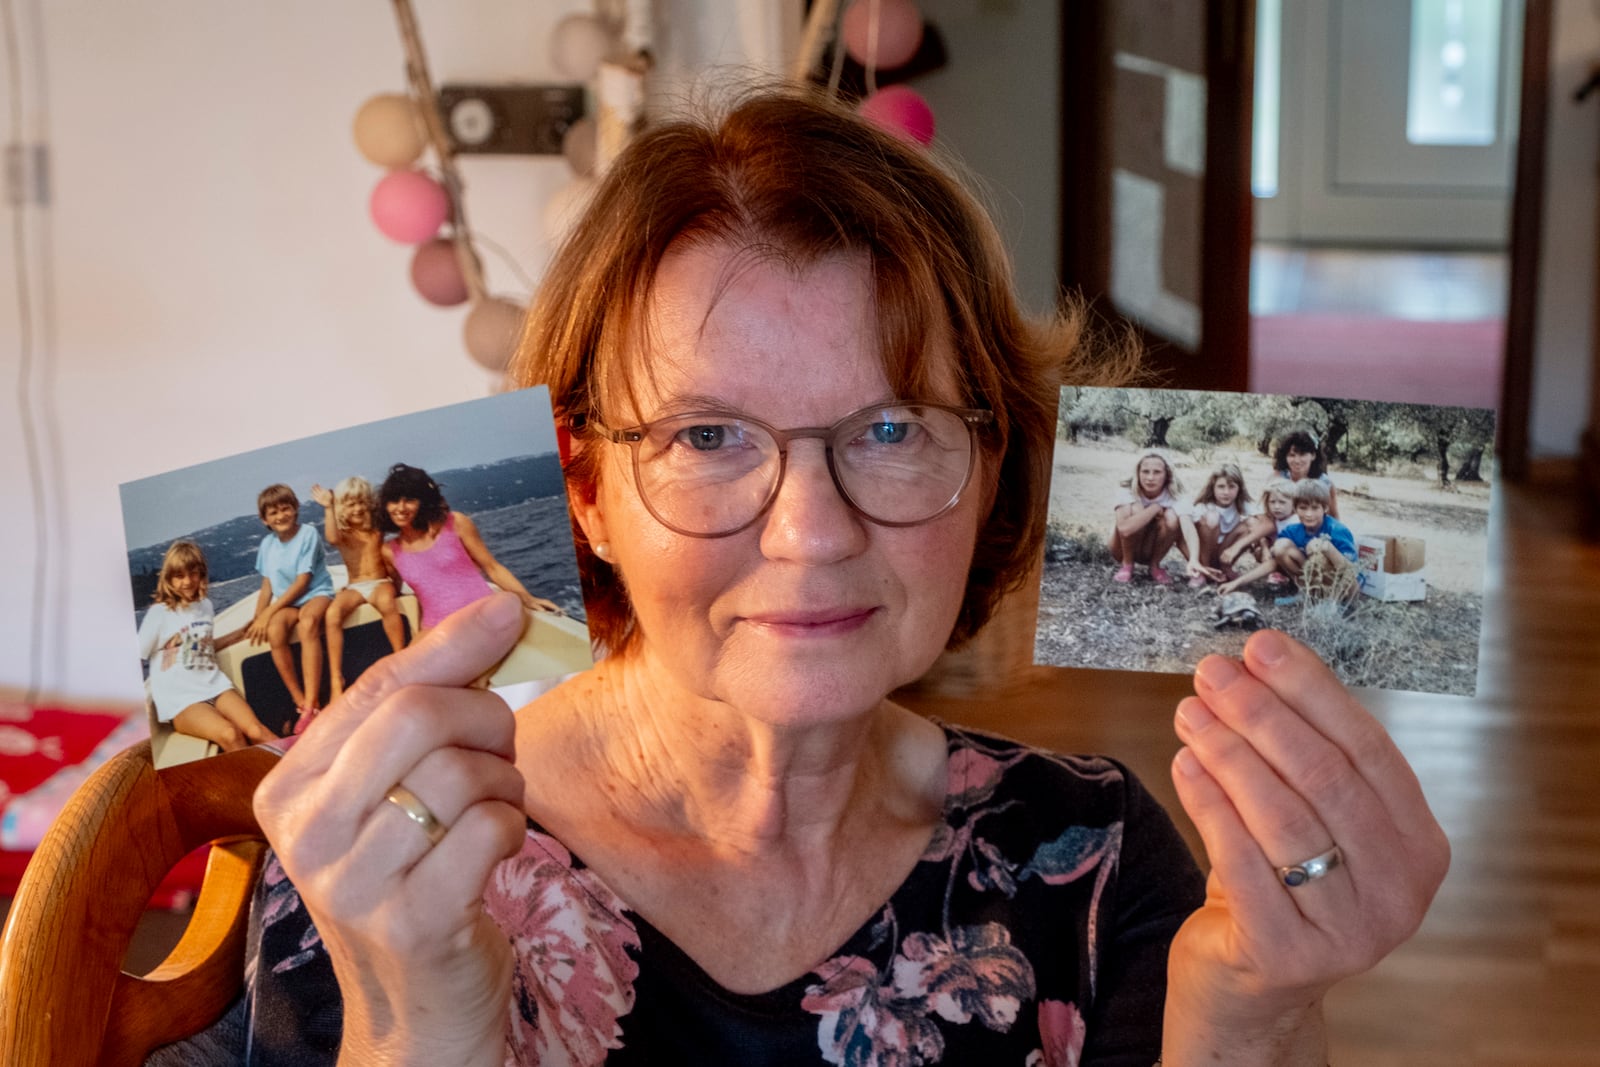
408 206
436 274
901 111
899 32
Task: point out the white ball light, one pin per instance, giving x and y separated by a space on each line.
578 46
565 208
491 330
579 145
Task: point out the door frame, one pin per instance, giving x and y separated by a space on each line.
1224 360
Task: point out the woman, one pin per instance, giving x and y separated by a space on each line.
811 442
438 552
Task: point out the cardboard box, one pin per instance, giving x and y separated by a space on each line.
1391 555
1383 585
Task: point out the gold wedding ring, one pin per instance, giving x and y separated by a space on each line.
417 812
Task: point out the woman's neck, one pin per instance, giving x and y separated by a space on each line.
680 763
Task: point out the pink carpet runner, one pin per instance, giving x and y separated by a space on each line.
1398 360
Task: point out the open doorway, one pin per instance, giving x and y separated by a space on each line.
1382 166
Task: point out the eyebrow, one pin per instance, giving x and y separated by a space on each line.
703 403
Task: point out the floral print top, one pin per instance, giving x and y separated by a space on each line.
1034 932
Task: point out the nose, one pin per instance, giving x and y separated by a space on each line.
809 521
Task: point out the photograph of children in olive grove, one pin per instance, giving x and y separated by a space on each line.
1181 521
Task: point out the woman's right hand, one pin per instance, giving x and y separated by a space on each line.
425 974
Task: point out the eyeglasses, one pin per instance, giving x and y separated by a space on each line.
713 473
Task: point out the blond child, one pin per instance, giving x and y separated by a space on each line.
1317 533
176 638
349 528
1277 501
1149 521
1221 518
296 589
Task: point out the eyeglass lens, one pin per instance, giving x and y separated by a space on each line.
710 474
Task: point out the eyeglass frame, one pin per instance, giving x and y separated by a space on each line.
633 436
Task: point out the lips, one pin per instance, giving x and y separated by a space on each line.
813 622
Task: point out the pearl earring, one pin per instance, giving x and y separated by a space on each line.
603 550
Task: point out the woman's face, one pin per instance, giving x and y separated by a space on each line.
403 510
1152 476
1225 491
813 613
1299 463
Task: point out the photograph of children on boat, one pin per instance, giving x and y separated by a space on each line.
1180 521
265 583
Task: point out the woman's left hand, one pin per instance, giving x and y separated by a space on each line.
1280 766
539 603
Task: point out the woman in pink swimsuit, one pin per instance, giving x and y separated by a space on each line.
438 552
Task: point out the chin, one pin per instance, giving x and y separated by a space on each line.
814 692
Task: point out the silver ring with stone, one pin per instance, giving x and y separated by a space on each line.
1310 870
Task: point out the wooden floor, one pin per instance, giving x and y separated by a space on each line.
1506 970
1420 286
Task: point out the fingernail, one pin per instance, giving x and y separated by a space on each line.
1188 763
1217 672
1268 647
1194 716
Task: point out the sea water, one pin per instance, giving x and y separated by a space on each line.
532 539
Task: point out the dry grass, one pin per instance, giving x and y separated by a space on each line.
1086 620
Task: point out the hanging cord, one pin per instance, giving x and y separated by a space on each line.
872 47
428 103
823 17
16 199
500 252
55 478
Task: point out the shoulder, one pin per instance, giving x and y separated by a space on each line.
1085 790
461 521
1058 817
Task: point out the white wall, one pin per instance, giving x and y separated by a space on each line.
218 284
997 107
1565 323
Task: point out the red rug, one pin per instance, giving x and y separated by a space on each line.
1397 360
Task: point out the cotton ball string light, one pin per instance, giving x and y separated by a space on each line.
563 210
408 206
902 111
436 274
579 146
388 131
898 32
490 332
579 45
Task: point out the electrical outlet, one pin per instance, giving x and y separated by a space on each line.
515 120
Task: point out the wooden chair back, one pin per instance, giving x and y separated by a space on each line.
64 998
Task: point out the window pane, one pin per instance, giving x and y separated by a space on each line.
1455 72
1269 52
